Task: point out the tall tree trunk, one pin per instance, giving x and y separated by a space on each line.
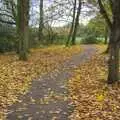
76 23
113 75
22 26
72 26
114 42
41 25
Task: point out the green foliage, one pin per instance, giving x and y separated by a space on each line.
7 44
8 40
91 39
60 39
93 31
33 37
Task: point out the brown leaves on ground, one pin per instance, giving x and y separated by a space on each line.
16 76
92 97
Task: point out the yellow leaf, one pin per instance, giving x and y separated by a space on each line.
100 97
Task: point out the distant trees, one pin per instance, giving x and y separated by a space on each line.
8 12
75 22
7 23
94 32
98 28
16 14
72 24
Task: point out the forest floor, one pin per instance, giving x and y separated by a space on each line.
58 83
16 76
91 96
47 98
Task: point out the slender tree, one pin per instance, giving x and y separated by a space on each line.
41 25
76 23
73 21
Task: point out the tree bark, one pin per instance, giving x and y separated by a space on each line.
22 27
72 26
113 75
76 23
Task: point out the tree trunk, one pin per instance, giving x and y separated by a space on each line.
76 24
113 75
114 42
41 21
72 26
22 26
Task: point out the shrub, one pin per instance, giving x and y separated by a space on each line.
8 43
90 39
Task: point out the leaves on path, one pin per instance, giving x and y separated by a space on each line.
50 97
92 98
16 76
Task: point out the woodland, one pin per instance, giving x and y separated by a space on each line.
60 59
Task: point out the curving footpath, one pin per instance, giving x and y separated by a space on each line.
47 97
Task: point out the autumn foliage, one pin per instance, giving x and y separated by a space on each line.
90 95
16 76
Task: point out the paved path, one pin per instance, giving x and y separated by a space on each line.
47 97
